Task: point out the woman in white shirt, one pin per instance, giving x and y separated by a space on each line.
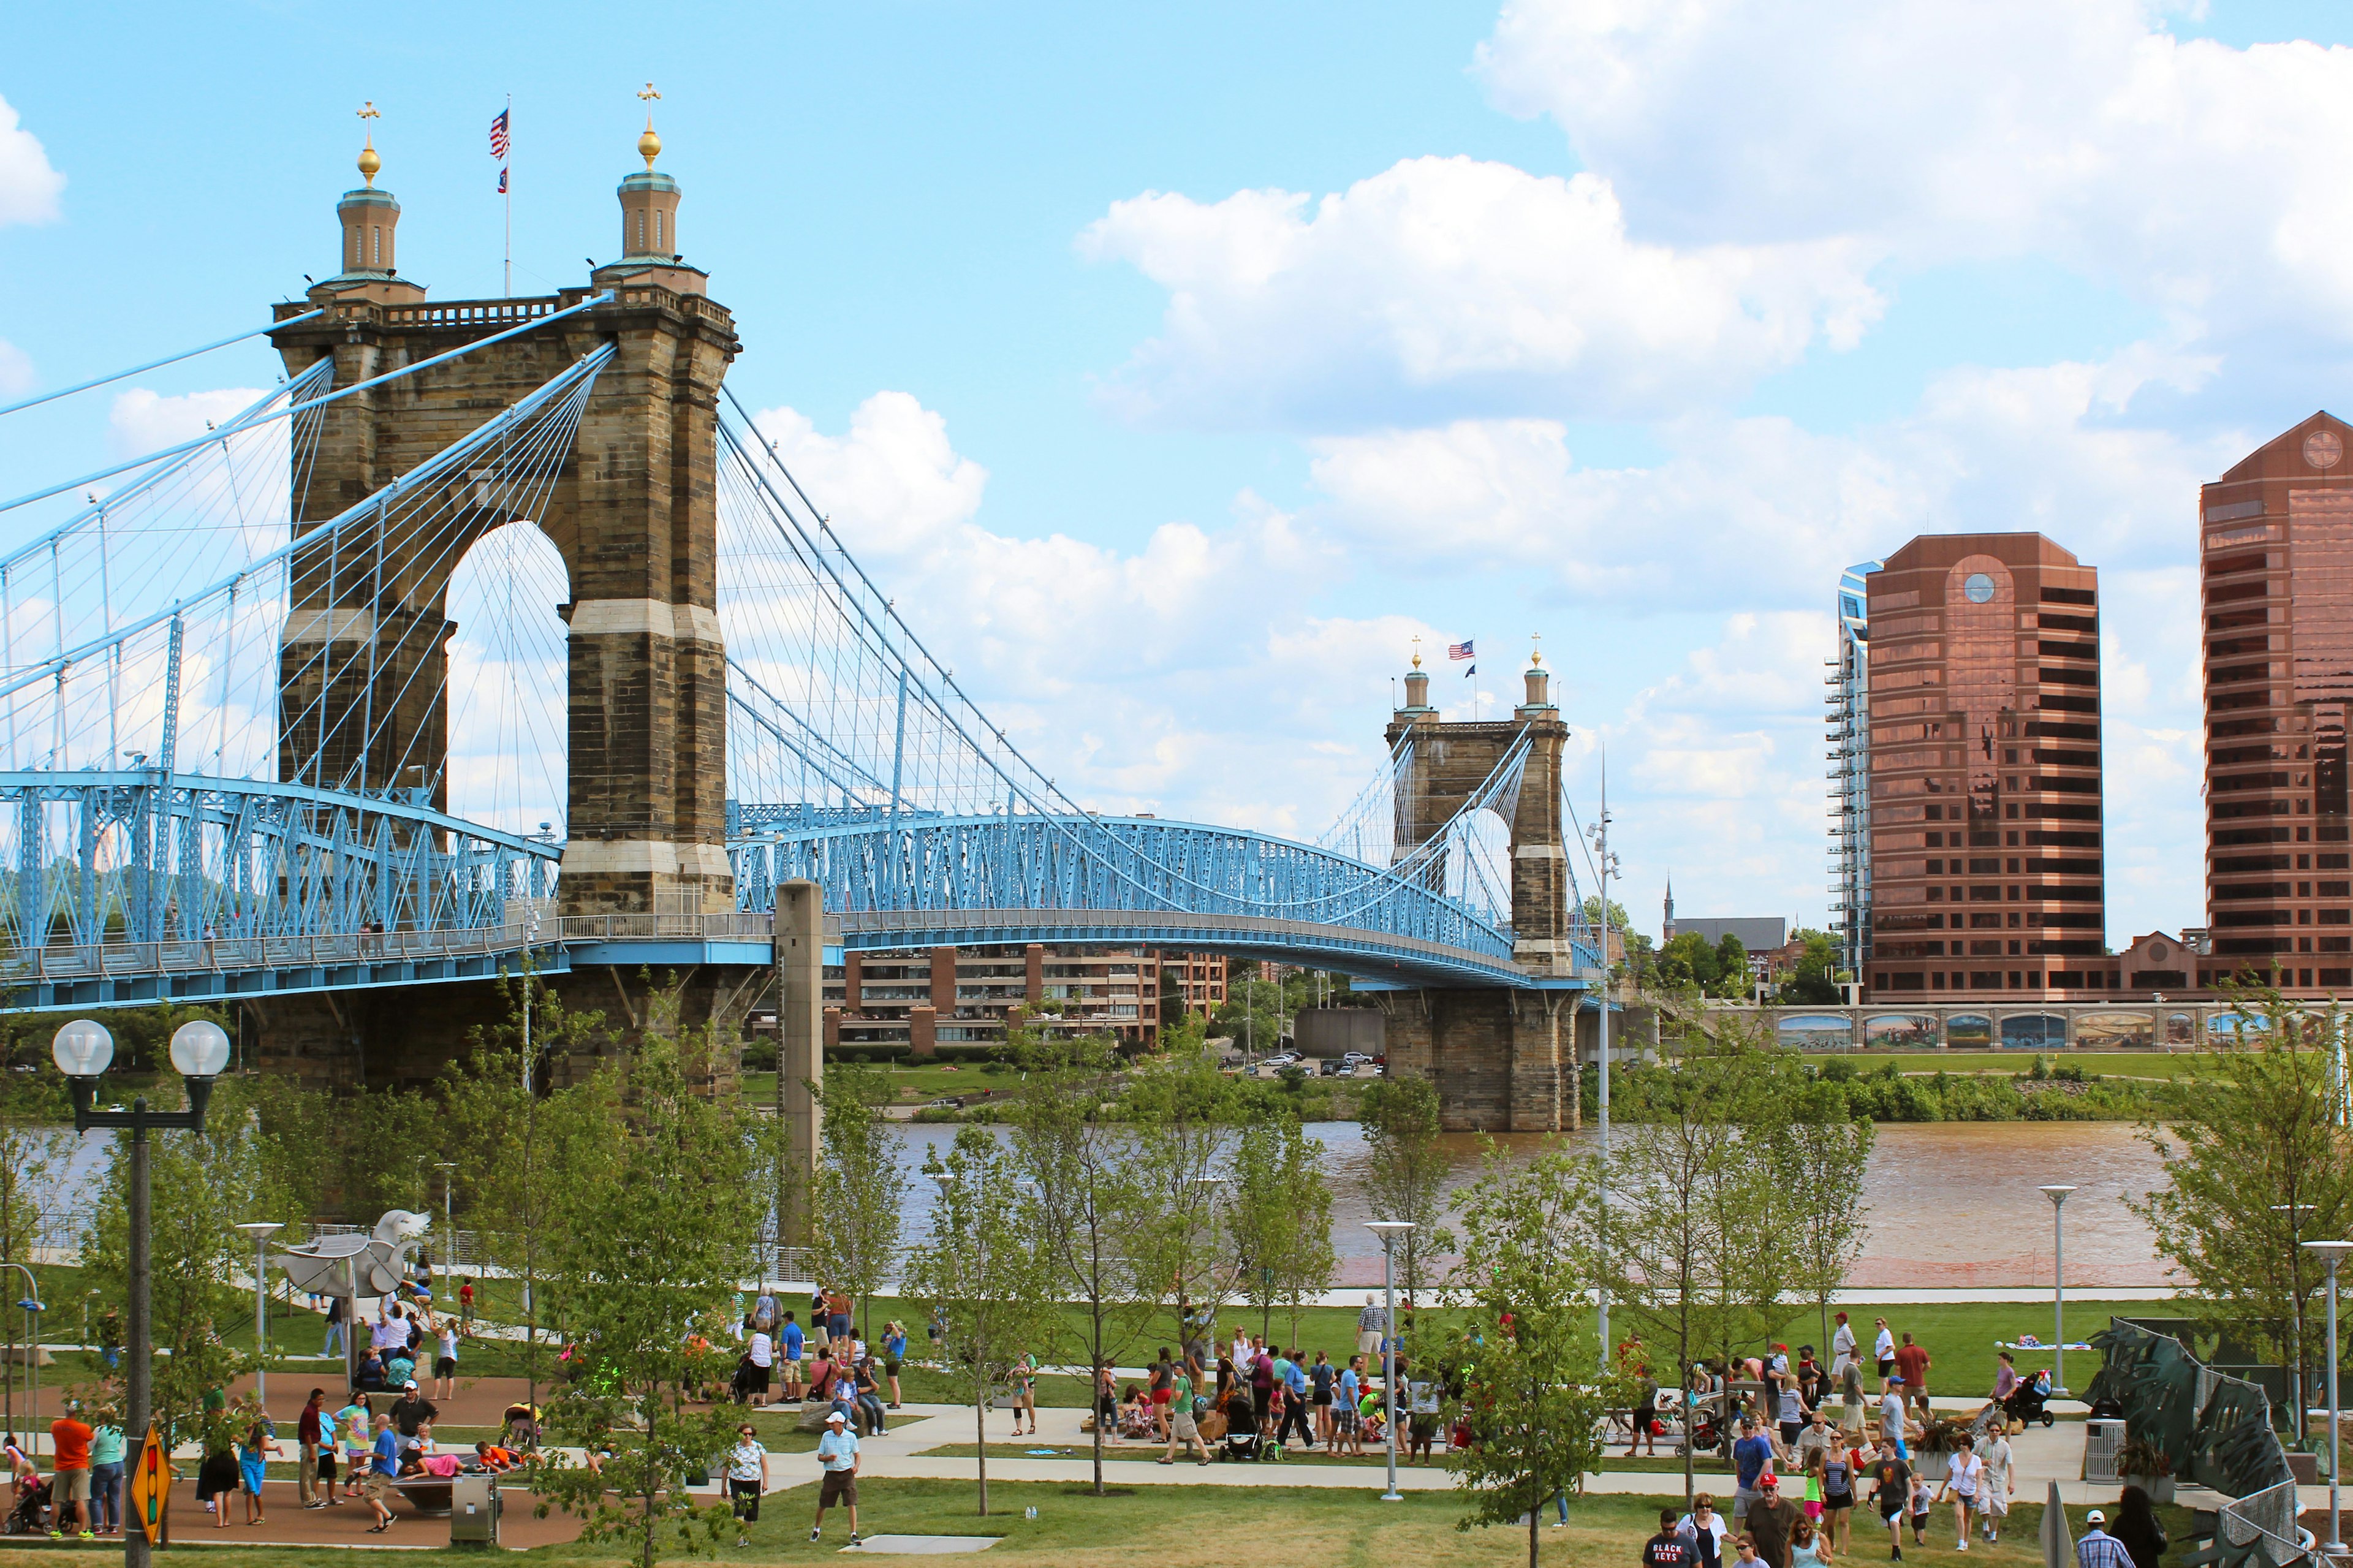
761 1353
747 1478
1961 1480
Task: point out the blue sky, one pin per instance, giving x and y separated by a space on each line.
1181 363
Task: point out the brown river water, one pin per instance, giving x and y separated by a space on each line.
1949 1203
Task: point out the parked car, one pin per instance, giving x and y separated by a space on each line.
1351 1060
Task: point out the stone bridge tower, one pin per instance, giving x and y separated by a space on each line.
634 513
1449 764
1502 1059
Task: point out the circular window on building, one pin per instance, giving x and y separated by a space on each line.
1979 588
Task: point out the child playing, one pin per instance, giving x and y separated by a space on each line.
1922 1496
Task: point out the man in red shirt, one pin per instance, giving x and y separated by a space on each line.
306 1434
70 1438
1912 1366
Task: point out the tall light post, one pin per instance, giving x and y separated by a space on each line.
1388 1230
83 1051
2057 1194
449 1219
30 1305
1605 867
2332 1253
261 1230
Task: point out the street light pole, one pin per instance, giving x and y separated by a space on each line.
2333 1253
2057 1194
83 1051
1388 1230
448 1220
261 1230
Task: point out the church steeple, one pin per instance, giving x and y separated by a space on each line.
1667 933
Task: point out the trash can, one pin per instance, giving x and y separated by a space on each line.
474 1510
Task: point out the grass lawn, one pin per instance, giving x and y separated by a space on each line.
1224 1526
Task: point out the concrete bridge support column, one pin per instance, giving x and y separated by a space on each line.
800 1047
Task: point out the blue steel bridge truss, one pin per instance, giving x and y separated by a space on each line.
122 882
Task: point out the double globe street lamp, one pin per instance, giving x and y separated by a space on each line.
83 1051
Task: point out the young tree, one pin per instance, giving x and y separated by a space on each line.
2256 1162
1281 1219
1524 1289
1405 1169
981 1270
1089 1198
1818 1155
1179 1107
1689 1199
642 1260
854 1233
34 1153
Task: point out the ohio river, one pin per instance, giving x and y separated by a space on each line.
1949 1203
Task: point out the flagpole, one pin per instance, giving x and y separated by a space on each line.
507 168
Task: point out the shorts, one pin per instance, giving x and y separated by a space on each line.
1344 1416
1741 1498
890 1369
1887 1366
1838 1503
1996 1504
1790 1430
376 1487
1162 1395
326 1464
445 1366
840 1486
249 1475
1424 1428
1181 1426
755 1378
70 1486
1368 1342
838 1325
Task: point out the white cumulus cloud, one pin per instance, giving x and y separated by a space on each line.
1447 285
143 421
28 185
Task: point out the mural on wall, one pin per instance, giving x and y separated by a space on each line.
1902 1032
2035 1032
2115 1032
1816 1032
1968 1032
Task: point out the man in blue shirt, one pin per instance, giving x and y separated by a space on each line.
1750 1458
384 1463
837 1453
1344 1409
793 1340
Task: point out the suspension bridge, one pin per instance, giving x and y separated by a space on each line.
496 633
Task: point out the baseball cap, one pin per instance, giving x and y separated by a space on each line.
1894 1381
832 1415
2095 1516
410 1383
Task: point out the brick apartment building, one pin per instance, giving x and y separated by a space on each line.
927 997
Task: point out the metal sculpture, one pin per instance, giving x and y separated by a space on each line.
354 1264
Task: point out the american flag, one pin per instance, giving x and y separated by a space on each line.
499 135
1458 650
503 181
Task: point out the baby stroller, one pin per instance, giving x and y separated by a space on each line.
1241 1432
522 1428
2025 1404
30 1516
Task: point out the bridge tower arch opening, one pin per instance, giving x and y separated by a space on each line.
508 666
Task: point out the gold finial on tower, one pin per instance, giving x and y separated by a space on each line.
369 161
649 144
1536 656
1417 653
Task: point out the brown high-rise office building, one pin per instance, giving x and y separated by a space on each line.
1985 772
2275 543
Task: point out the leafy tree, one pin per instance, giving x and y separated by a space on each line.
1282 1218
981 1271
1257 1014
1690 1199
520 1151
2257 1161
1690 960
1405 1168
1818 1155
1814 982
854 1233
1090 1197
643 1259
34 1153
1529 1391
1179 1107
1732 965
